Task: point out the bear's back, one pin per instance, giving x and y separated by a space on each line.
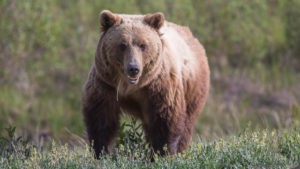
184 50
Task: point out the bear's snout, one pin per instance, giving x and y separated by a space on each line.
133 71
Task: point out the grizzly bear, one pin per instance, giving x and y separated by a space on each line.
152 69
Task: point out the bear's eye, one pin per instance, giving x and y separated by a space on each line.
122 46
142 47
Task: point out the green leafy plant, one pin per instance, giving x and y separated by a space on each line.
11 144
132 142
251 149
289 145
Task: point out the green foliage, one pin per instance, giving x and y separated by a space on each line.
261 149
132 143
11 145
291 15
290 145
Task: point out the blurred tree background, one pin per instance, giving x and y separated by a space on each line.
47 48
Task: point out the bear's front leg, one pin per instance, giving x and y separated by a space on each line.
101 115
162 134
165 122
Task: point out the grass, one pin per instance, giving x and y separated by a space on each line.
260 149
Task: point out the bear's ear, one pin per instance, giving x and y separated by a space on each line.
108 19
155 20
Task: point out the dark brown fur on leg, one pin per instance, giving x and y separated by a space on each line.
160 135
166 120
185 138
101 115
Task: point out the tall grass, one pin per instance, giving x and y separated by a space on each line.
260 149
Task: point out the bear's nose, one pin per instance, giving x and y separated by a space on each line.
133 70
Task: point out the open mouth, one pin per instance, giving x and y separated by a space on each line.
133 80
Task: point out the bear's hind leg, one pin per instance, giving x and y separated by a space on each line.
160 135
186 137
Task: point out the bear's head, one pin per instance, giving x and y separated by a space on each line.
130 45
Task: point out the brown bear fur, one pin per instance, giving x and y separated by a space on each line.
168 92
